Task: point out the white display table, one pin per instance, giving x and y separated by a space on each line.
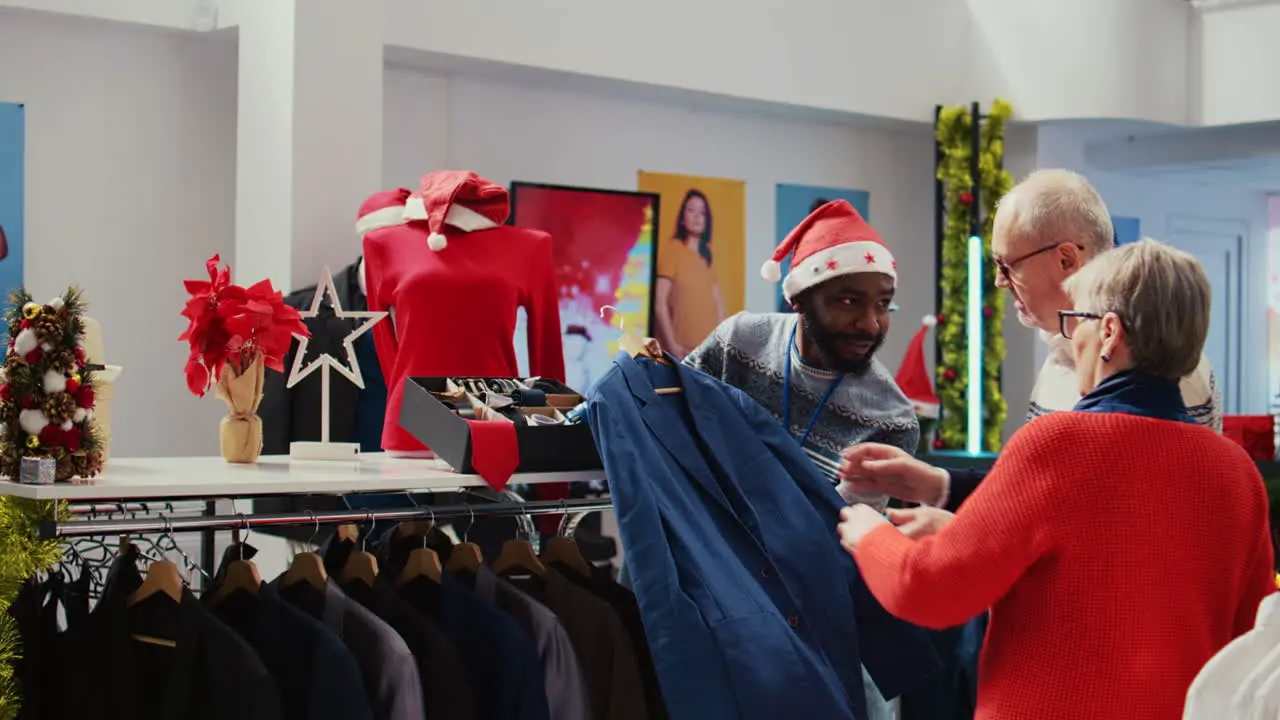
213 477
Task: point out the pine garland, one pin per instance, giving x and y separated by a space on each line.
22 555
955 140
46 401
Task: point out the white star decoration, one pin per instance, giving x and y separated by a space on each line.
351 369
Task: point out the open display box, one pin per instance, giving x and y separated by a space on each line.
436 410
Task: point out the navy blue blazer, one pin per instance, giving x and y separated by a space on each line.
751 607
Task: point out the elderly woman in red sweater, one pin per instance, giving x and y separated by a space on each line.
1118 546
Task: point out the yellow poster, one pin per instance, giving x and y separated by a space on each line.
701 256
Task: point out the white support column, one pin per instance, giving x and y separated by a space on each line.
309 146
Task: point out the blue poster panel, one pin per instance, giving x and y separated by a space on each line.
795 202
11 158
1128 229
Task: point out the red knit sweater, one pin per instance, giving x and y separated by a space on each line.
455 310
1117 554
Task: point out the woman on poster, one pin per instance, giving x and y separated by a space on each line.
687 303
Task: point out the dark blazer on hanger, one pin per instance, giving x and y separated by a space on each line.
387 667
601 642
209 674
318 677
290 414
752 608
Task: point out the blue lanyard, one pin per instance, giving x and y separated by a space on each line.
786 393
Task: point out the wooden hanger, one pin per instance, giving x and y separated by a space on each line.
517 554
635 346
162 577
466 555
565 551
241 574
360 565
306 567
422 562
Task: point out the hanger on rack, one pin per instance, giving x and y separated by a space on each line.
564 549
422 561
162 577
307 567
517 554
361 565
240 574
635 346
466 555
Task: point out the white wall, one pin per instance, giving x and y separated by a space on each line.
130 176
893 59
130 182
1236 58
1161 205
509 133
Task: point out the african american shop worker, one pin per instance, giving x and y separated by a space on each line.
815 370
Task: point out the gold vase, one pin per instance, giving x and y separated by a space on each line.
241 429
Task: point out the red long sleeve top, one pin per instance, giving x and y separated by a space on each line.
455 310
1117 554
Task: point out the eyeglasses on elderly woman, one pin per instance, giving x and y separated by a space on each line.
1069 320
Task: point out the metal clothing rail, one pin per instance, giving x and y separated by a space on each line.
51 529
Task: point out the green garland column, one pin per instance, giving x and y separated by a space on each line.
955 142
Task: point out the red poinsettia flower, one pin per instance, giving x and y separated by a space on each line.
229 324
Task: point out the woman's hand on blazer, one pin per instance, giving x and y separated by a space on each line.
877 469
920 522
855 522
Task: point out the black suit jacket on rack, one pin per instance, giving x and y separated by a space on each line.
211 674
290 414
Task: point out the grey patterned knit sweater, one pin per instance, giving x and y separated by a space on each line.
747 351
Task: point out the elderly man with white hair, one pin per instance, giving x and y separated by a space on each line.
1047 228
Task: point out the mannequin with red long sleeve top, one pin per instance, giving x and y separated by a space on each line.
452 277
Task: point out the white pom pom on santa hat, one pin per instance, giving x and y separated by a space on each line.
771 271
436 241
930 320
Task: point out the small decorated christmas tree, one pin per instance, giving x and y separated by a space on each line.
46 399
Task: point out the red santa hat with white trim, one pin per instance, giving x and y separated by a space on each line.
913 375
455 196
380 210
833 241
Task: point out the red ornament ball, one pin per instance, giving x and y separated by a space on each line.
72 386
6 392
71 438
84 397
949 374
987 312
941 318
966 199
80 354
937 443
51 435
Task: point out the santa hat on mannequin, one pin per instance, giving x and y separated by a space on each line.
833 241
459 198
913 376
382 209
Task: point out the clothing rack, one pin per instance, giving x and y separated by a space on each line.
52 529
